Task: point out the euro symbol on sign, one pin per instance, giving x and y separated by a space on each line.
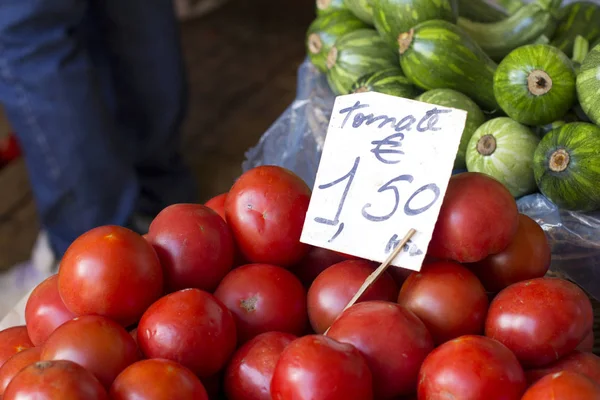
388 146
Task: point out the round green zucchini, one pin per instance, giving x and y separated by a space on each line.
535 84
503 148
588 85
357 54
455 99
389 81
567 167
325 30
363 9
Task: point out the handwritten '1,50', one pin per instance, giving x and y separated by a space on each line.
388 186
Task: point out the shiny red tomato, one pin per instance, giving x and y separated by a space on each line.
448 298
45 311
15 364
264 298
157 379
334 288
471 367
587 344
96 343
316 261
12 341
478 217
586 364
527 257
392 340
265 209
540 320
564 385
190 327
217 204
318 367
110 271
194 244
49 380
249 373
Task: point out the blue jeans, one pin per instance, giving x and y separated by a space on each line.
95 91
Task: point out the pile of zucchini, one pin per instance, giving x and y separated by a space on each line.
527 73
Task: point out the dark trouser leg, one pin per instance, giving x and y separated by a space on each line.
143 46
51 94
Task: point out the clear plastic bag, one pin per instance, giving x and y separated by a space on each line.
295 141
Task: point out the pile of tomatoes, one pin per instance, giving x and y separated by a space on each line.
222 300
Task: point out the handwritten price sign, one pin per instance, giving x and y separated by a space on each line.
385 168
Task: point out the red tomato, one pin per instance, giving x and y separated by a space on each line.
448 298
157 379
194 244
392 340
316 261
318 367
478 217
45 311
540 320
49 380
264 298
334 288
527 257
265 209
471 367
96 343
217 204
586 364
12 341
249 373
564 385
110 271
15 364
587 344
400 275
191 327
9 149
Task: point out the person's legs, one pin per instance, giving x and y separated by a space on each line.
143 45
80 176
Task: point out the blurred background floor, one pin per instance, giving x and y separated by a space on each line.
242 60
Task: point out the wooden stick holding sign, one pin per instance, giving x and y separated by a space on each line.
378 272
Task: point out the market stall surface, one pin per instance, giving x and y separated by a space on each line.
242 60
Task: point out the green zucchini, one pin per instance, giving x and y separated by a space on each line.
525 26
578 18
581 48
453 99
511 6
389 81
355 55
437 54
542 130
325 30
480 11
326 6
363 9
393 17
567 167
535 84
596 43
588 85
503 148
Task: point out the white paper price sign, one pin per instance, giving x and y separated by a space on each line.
384 169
